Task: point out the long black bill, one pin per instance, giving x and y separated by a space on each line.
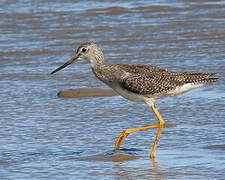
66 64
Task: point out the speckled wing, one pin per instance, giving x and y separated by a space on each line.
140 69
155 83
151 84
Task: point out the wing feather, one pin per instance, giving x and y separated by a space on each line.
149 85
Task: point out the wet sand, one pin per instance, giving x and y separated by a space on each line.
86 92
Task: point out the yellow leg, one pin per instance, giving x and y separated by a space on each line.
161 124
125 133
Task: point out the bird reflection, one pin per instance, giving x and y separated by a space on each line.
125 171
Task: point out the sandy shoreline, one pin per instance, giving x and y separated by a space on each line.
86 92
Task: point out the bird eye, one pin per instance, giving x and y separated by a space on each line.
84 50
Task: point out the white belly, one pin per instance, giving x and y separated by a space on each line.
143 98
129 95
184 88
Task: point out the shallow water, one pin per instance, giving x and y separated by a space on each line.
44 136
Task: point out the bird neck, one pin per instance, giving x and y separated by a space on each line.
100 70
97 62
97 65
96 57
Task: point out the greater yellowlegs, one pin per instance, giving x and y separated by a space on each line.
140 83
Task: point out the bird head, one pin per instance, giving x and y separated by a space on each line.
88 51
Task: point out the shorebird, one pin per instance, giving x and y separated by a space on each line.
140 83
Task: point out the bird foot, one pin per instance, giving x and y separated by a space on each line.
120 139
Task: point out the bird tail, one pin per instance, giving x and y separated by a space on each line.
204 78
211 79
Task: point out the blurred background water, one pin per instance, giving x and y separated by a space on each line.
43 136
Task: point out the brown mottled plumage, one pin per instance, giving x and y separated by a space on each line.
141 83
148 81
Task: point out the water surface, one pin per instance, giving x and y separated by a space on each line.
44 136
